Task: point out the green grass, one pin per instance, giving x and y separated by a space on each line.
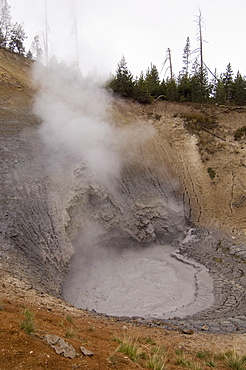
130 348
70 333
69 319
143 351
151 341
28 325
157 359
146 353
234 361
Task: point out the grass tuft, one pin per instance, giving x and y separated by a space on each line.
130 348
27 325
234 361
70 333
157 359
69 319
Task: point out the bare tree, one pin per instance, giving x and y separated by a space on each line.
168 59
75 34
36 48
200 26
46 41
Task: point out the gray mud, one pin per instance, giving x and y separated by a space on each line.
142 281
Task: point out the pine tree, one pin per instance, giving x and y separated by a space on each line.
2 39
17 38
153 81
122 83
171 90
5 23
186 58
239 90
200 88
220 93
141 90
184 88
227 80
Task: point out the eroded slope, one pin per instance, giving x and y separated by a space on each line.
164 187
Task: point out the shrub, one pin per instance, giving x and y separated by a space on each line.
211 172
198 120
240 133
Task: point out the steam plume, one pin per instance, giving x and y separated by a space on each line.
75 115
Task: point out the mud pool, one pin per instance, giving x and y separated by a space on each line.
137 281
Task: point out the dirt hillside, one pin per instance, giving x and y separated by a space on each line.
193 143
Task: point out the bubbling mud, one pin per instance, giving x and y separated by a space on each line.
145 281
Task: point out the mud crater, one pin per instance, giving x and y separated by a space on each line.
121 277
51 228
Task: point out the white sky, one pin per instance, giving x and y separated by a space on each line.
141 30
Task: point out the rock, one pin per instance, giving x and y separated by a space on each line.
60 345
86 352
51 339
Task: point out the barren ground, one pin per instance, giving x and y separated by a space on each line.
218 203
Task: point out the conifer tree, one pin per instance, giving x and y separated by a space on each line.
153 81
17 38
141 90
5 23
171 90
122 83
200 88
186 58
239 90
184 88
227 80
220 93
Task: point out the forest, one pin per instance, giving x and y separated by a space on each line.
189 86
194 83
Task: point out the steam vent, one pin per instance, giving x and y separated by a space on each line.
121 208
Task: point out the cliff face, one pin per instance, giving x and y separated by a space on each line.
172 176
33 246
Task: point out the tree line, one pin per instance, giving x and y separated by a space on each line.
13 35
192 84
188 86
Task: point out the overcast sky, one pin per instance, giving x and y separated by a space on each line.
141 30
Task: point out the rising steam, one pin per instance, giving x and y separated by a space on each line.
75 115
77 119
